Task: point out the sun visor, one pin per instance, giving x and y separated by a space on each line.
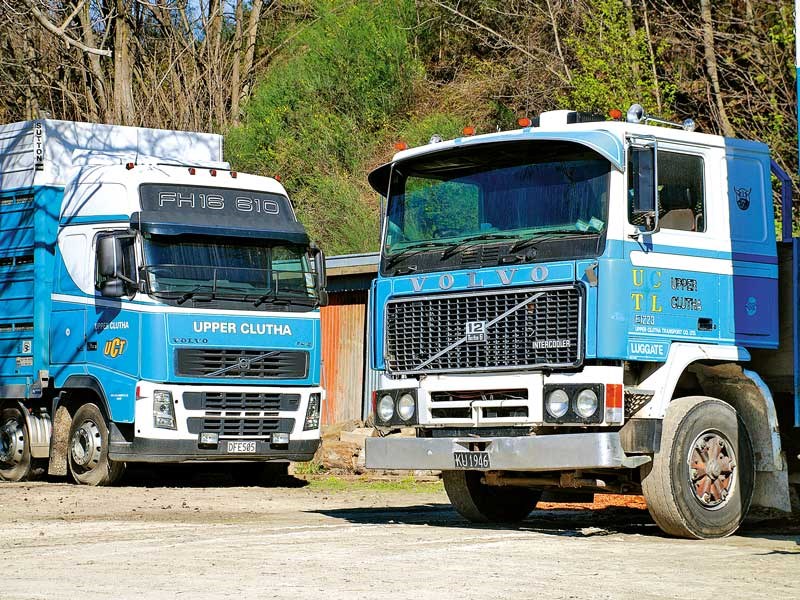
169 209
606 144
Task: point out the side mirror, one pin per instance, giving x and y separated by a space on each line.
112 288
322 278
642 186
109 256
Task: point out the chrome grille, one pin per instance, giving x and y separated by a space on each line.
242 364
429 334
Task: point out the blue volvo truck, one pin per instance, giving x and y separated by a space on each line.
588 305
155 306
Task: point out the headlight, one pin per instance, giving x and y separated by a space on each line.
312 412
557 403
586 403
386 408
163 410
405 407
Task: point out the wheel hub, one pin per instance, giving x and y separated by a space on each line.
12 442
712 469
86 445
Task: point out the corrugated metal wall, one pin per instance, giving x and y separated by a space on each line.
343 355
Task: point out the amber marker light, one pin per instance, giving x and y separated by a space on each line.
615 114
469 130
400 145
524 122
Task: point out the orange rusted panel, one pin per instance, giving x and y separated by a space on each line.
343 355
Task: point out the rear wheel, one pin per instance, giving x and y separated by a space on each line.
700 483
15 447
481 503
88 449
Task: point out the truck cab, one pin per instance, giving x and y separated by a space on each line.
171 314
546 295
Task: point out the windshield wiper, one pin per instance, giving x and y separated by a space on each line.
545 235
456 247
413 249
195 294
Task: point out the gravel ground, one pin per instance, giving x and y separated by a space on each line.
182 535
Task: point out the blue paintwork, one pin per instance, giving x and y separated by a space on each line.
636 312
115 342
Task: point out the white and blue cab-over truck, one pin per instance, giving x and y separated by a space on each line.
155 306
586 305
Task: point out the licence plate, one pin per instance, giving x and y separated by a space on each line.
242 447
471 460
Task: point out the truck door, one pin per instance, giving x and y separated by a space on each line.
675 271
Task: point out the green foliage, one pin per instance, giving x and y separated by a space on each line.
613 64
314 117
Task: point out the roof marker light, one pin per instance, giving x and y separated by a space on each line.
130 165
615 114
234 174
400 145
277 178
469 130
213 172
524 122
192 170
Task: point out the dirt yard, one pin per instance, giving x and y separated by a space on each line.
180 535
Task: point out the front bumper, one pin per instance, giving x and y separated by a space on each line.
172 451
531 453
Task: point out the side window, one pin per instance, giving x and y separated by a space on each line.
128 259
681 191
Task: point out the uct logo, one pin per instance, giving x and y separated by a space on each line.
743 197
114 348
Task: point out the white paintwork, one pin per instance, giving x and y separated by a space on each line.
681 355
52 144
533 382
144 409
144 304
681 262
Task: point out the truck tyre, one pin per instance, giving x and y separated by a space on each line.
88 449
481 503
700 483
15 449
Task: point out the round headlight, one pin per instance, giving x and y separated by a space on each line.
405 407
586 403
557 403
386 408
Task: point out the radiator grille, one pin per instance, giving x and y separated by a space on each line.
240 401
428 334
228 363
255 427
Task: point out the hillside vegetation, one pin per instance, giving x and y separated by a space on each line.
317 91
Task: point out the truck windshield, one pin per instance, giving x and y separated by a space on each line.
518 192
200 269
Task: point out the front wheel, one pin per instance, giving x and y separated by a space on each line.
88 449
700 483
15 447
481 503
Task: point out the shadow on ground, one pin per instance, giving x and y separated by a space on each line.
565 523
205 475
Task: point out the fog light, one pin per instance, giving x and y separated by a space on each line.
557 403
406 407
209 439
386 408
280 438
312 413
163 410
586 403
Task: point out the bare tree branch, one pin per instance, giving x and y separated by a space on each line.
60 31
